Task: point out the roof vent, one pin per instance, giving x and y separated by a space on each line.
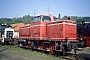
69 18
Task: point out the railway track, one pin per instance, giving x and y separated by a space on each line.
70 56
75 57
82 54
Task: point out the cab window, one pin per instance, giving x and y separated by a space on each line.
46 18
87 26
37 18
55 19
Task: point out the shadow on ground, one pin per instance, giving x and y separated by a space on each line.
84 55
4 49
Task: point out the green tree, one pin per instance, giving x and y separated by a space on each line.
59 16
64 18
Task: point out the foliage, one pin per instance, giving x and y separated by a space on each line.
77 19
59 16
27 19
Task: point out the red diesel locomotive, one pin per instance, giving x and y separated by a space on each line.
47 33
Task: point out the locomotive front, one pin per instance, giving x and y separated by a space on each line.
6 34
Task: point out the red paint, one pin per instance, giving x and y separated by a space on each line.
24 32
61 29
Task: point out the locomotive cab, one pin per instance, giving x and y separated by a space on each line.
6 34
44 18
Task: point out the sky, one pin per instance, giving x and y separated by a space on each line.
19 8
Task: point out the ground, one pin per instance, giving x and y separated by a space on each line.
15 53
85 53
6 54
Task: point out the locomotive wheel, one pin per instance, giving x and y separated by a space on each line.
82 44
19 45
29 45
32 45
41 46
63 51
70 48
75 50
51 50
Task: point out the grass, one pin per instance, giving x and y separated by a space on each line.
0 58
35 53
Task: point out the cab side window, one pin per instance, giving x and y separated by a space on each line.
87 26
37 18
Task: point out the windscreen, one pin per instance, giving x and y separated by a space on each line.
46 18
9 34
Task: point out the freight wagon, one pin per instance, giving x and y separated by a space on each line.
47 33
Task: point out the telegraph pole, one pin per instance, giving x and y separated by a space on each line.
28 17
0 21
34 12
48 8
17 15
28 13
